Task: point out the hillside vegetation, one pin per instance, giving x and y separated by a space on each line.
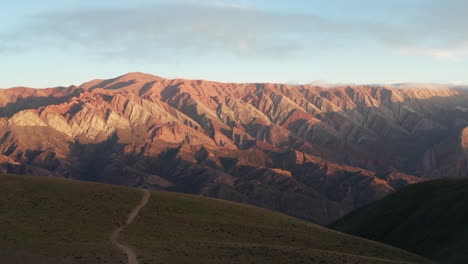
48 220
430 219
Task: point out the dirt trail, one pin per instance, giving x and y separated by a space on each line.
131 255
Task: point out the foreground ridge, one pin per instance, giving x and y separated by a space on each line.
131 255
74 221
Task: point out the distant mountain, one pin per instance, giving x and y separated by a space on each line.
460 87
430 219
47 220
311 152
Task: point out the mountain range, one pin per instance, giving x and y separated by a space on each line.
312 152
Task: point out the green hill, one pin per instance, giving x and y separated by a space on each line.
430 219
48 220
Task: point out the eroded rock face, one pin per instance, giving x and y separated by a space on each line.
311 152
464 139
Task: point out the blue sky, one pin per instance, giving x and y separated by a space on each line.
62 42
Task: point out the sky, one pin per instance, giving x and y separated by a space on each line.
63 42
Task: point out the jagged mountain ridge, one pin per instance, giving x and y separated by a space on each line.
304 150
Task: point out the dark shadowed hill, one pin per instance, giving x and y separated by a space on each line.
430 219
47 220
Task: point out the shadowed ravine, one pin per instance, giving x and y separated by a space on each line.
131 255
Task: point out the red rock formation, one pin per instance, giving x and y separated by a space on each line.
311 152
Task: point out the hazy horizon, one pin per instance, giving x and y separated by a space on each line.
320 83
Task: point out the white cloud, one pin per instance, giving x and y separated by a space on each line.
438 29
155 30
453 54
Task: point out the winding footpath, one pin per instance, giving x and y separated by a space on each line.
131 255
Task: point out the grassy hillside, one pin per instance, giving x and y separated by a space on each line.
430 219
179 228
46 220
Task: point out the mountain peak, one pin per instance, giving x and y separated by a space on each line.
138 75
121 81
